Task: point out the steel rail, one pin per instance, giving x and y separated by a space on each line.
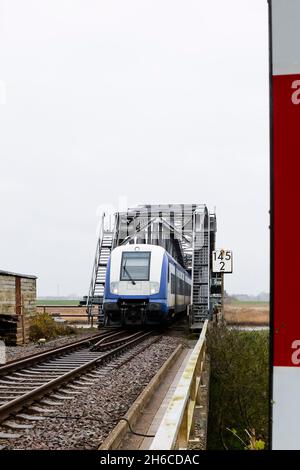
103 344
27 398
37 357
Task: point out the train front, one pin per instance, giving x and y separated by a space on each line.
136 286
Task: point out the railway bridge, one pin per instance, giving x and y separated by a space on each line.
186 231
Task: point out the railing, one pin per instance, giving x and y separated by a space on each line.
177 424
74 308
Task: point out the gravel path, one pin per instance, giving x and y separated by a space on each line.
15 352
103 402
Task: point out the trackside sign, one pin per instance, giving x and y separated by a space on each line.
285 161
222 261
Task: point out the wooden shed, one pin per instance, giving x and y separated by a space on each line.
17 304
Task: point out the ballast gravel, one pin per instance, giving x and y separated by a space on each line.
16 352
90 416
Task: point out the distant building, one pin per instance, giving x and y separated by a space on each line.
17 304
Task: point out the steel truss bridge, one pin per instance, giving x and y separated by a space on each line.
186 231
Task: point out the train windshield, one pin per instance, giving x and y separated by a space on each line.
135 266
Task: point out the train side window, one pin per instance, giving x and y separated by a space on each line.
173 286
186 288
180 287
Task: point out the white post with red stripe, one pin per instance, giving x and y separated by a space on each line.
285 86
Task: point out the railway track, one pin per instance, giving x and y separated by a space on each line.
73 344
50 377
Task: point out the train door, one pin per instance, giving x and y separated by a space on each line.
175 289
169 289
172 287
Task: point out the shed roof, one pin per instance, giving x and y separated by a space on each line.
8 273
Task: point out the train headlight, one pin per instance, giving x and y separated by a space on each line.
114 287
154 287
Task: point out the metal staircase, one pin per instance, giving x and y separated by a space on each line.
96 291
201 269
216 278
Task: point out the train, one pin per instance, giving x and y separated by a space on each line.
144 285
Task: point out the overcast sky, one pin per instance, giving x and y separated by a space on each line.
144 100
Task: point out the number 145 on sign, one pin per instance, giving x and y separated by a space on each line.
222 261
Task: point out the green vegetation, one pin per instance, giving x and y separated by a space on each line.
239 389
54 302
43 325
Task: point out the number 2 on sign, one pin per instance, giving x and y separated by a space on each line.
222 261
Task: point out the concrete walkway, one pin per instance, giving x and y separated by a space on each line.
153 413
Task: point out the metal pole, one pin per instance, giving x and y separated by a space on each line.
222 290
22 319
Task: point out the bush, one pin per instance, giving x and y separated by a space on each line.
43 325
239 389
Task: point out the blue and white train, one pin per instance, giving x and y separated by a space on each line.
144 286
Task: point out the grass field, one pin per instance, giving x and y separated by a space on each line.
56 302
247 313
249 302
